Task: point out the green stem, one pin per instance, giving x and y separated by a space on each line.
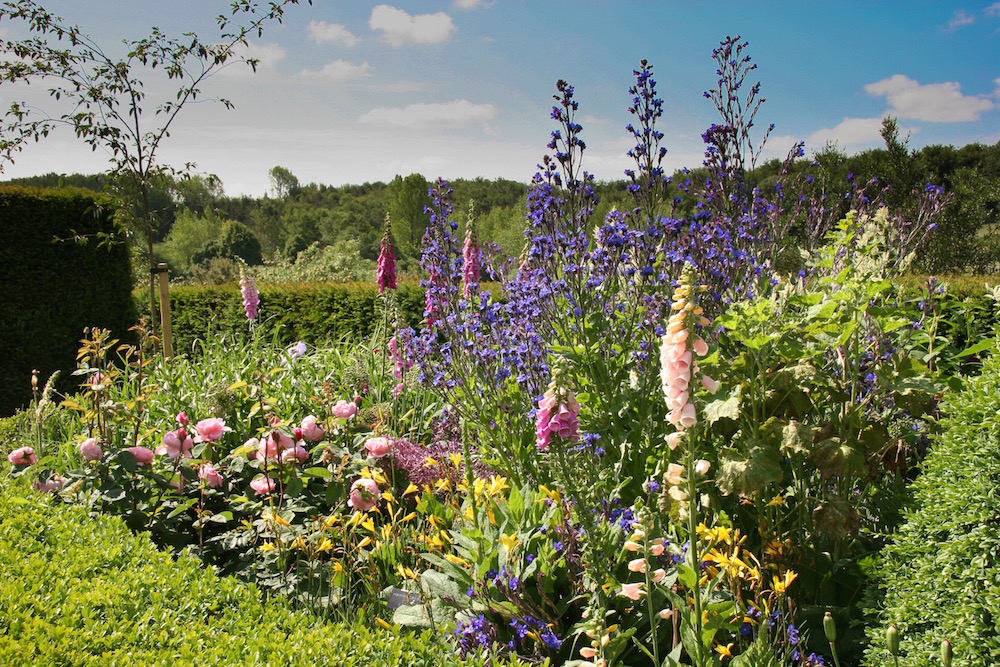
693 551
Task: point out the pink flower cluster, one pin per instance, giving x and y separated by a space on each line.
558 414
471 260
282 446
23 456
344 409
248 290
677 363
386 274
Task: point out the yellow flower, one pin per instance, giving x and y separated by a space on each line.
498 485
430 461
385 625
456 459
451 558
411 488
778 500
781 585
725 651
325 545
267 546
508 543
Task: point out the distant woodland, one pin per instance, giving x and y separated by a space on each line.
320 232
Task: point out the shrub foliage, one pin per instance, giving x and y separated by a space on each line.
61 270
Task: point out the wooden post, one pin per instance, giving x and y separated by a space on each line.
168 347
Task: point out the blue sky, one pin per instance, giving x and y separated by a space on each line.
351 91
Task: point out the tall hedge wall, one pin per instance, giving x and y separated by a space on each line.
312 312
56 279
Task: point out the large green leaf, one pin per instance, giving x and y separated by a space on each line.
748 474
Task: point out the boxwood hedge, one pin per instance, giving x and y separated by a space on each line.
75 591
941 575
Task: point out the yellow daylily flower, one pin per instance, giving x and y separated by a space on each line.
411 488
451 558
725 651
508 543
781 585
325 545
778 500
430 461
267 546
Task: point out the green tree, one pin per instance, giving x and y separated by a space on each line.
105 96
283 182
407 199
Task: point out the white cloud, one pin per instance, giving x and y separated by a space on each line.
267 56
399 28
992 10
322 32
959 19
467 4
934 102
338 71
850 133
457 113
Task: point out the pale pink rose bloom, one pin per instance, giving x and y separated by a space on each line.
175 444
208 474
53 485
211 429
378 447
364 495
344 409
296 455
312 430
262 485
637 565
700 347
90 450
267 449
23 456
708 383
143 455
702 467
632 591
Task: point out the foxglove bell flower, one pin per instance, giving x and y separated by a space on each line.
558 413
386 273
248 289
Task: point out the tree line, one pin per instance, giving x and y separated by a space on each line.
195 222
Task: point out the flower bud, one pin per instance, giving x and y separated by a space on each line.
892 640
829 627
946 653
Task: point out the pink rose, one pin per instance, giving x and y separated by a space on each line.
182 418
175 444
312 430
143 455
378 447
23 456
262 485
208 474
297 455
211 429
344 409
91 450
53 485
267 449
364 495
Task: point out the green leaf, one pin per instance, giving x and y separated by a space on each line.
796 438
982 346
183 507
834 457
515 503
439 584
728 408
687 576
321 473
748 474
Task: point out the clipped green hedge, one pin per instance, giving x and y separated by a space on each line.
78 591
312 312
57 276
941 576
